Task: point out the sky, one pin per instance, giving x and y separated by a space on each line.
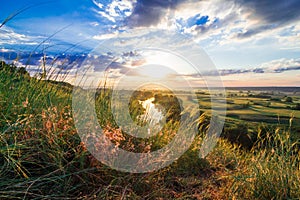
250 43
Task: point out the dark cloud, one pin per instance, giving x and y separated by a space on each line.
272 13
283 69
233 71
106 64
223 72
130 54
255 30
117 69
256 70
260 70
150 12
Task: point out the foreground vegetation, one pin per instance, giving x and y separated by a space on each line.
42 157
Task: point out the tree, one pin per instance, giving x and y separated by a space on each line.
289 99
297 107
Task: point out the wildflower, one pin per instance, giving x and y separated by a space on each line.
48 125
25 103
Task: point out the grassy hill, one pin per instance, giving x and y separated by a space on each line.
42 157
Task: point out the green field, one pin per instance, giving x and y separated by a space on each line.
43 157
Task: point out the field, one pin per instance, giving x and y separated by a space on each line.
43 157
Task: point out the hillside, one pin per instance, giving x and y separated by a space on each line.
42 156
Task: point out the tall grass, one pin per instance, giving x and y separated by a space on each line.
38 141
42 157
271 170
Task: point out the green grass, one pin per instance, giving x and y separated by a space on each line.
271 170
42 157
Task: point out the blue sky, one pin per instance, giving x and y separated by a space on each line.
252 43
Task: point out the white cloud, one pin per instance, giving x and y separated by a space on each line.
100 5
232 23
9 36
105 36
116 11
281 65
94 24
289 37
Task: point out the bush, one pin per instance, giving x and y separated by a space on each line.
239 135
246 105
275 99
289 99
297 107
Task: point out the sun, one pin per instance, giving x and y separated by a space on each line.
172 63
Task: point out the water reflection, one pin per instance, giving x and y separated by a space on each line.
153 114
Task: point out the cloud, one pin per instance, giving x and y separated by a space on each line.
140 62
116 70
269 14
105 36
149 12
253 31
196 24
215 19
114 11
235 21
275 66
10 37
275 11
117 66
282 65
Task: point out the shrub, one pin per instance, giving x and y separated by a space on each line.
289 99
297 107
246 105
239 135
